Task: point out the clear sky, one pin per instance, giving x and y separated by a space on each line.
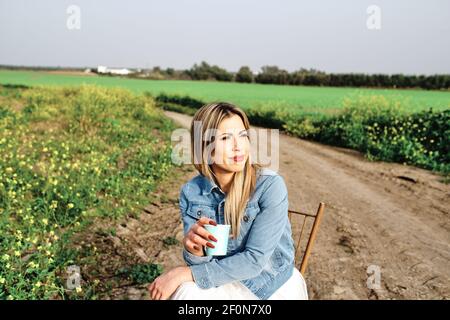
329 35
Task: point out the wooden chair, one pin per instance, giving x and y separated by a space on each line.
316 219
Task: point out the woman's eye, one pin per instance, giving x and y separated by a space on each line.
242 135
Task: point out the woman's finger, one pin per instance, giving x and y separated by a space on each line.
150 287
200 241
206 220
154 289
191 245
203 233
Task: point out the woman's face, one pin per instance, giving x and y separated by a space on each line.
232 145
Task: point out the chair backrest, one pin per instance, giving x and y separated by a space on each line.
316 219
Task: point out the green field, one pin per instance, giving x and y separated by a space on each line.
293 98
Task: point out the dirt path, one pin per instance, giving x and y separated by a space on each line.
386 215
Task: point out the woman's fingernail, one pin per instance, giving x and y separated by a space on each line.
212 238
210 245
213 223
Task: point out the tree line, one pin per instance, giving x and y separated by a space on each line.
304 77
276 75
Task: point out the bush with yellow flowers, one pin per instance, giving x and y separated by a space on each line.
68 155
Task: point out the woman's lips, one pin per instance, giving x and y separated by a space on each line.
238 158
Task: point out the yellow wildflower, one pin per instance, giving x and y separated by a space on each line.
54 204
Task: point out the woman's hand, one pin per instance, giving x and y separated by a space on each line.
198 237
167 283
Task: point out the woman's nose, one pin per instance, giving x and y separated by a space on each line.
236 145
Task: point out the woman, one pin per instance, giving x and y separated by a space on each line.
230 189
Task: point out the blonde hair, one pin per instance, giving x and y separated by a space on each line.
244 182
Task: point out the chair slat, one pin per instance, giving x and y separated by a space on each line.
315 226
312 237
300 236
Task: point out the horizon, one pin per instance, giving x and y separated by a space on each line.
46 68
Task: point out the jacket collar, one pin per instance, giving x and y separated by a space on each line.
209 185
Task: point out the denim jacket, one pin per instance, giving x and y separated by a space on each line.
262 257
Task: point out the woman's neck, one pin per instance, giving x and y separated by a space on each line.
224 178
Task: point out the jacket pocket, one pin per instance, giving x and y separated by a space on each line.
199 210
250 214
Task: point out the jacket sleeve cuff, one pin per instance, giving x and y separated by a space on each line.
192 259
201 276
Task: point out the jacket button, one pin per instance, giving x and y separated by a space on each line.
246 218
199 213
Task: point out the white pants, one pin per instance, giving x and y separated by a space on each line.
293 289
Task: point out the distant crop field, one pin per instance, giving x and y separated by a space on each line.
293 98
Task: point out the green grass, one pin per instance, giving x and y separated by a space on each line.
141 273
295 99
